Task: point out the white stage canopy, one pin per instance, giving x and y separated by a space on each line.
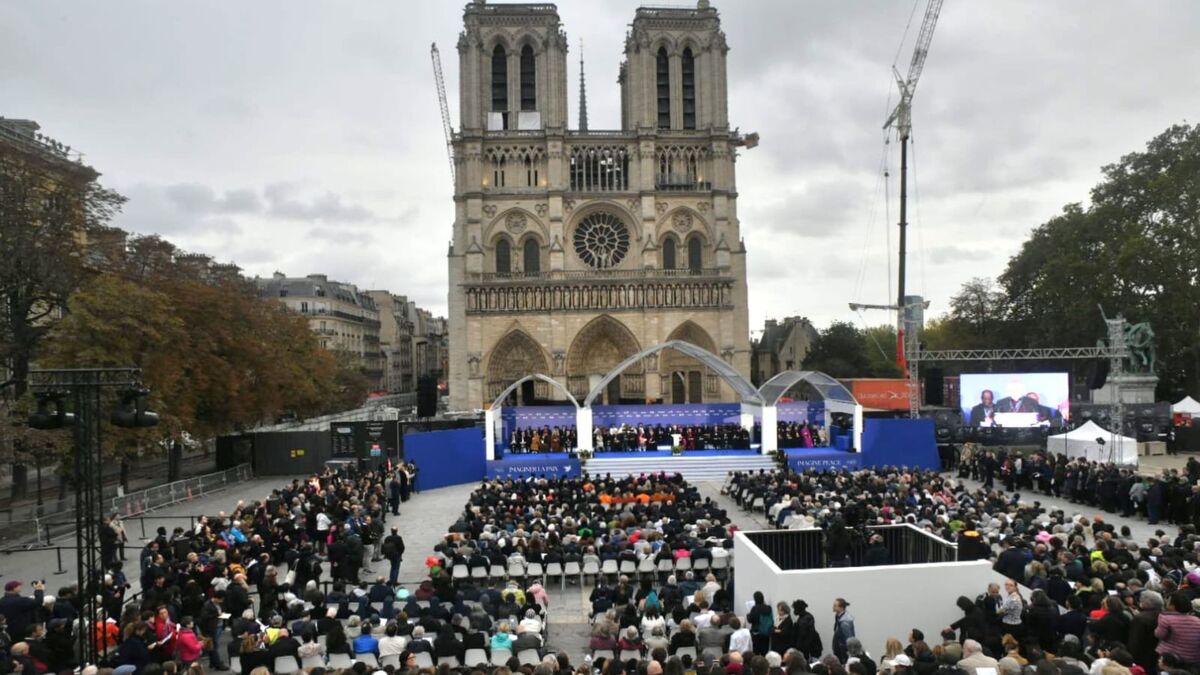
1188 406
1095 443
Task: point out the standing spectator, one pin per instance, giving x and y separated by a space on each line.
1010 609
187 645
761 622
134 650
212 624
843 628
808 640
237 596
19 611
394 493
739 640
783 633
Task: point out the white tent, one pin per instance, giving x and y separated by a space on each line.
1188 406
1086 442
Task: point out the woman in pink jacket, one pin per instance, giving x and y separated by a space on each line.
187 646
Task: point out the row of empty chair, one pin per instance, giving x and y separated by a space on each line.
647 566
286 665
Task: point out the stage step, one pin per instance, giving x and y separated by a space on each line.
707 468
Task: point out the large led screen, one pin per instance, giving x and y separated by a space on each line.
1015 399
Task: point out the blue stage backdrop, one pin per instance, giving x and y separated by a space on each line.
446 458
532 466
802 411
900 442
522 417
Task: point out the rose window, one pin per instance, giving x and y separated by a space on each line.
601 240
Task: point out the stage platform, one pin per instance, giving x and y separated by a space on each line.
644 454
708 465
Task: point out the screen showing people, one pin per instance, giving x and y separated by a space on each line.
1015 399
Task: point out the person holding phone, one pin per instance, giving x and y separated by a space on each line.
20 610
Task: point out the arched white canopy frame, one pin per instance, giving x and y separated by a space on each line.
492 415
836 396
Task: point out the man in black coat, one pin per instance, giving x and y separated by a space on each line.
394 494
393 550
876 554
19 610
211 626
1011 561
237 596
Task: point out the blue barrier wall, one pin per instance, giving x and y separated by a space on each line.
900 442
446 458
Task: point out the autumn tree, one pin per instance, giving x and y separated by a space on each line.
47 206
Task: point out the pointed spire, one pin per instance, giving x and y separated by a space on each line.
582 92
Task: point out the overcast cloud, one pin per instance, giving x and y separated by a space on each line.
304 136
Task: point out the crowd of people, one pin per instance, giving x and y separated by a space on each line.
1079 588
287 581
302 552
1173 496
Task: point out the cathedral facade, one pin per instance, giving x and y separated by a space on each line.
574 249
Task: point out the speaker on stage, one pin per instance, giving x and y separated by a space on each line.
427 396
1097 374
934 389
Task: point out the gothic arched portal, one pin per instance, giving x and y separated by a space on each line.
597 348
684 378
514 356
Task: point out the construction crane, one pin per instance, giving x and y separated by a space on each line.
441 91
901 121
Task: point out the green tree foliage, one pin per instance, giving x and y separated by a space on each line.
880 345
838 351
1135 250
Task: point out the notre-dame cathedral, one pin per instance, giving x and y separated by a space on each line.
576 248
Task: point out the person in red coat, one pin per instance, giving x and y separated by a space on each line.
187 645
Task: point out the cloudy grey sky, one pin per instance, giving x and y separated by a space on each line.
304 136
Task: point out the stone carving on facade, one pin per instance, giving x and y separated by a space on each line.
661 207
727 354
652 362
568 205
575 297
702 207
541 209
632 204
515 223
473 361
682 222
489 210
718 42
560 362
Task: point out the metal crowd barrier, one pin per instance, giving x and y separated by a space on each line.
805 549
42 530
